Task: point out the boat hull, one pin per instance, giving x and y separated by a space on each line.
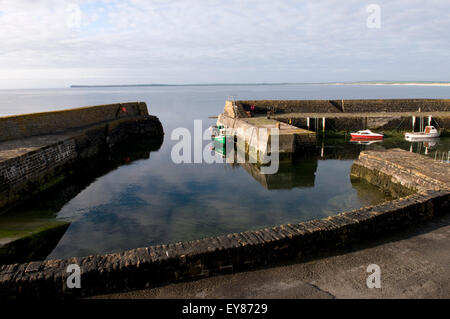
222 139
420 137
430 132
366 137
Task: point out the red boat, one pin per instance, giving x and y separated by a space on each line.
366 135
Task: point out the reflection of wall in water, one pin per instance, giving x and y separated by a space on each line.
300 171
298 174
339 150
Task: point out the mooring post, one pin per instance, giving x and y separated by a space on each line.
307 122
323 125
413 122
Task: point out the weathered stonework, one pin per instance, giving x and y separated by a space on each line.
22 126
381 114
402 170
347 106
257 135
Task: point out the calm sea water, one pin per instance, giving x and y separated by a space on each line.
139 197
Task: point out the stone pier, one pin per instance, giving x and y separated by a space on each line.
38 150
345 115
402 172
290 138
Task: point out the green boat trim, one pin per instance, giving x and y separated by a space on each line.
223 139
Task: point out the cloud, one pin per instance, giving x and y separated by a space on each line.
50 42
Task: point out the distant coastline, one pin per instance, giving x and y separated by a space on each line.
393 83
164 85
417 83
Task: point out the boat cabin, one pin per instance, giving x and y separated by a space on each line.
430 129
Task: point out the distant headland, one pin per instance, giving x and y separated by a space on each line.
163 85
417 83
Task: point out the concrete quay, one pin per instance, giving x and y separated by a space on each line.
257 134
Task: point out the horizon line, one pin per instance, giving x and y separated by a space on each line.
255 84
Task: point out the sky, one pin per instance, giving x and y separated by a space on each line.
56 43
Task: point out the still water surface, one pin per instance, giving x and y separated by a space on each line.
139 197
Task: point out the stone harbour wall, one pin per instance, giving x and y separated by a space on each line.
346 106
31 164
402 172
17 169
391 123
21 126
290 138
361 114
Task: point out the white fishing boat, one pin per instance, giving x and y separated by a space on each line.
430 132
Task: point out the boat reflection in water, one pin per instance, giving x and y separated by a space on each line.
424 146
364 141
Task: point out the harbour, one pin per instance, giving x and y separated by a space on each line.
318 180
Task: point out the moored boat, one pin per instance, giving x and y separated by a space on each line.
430 132
366 135
224 136
215 129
